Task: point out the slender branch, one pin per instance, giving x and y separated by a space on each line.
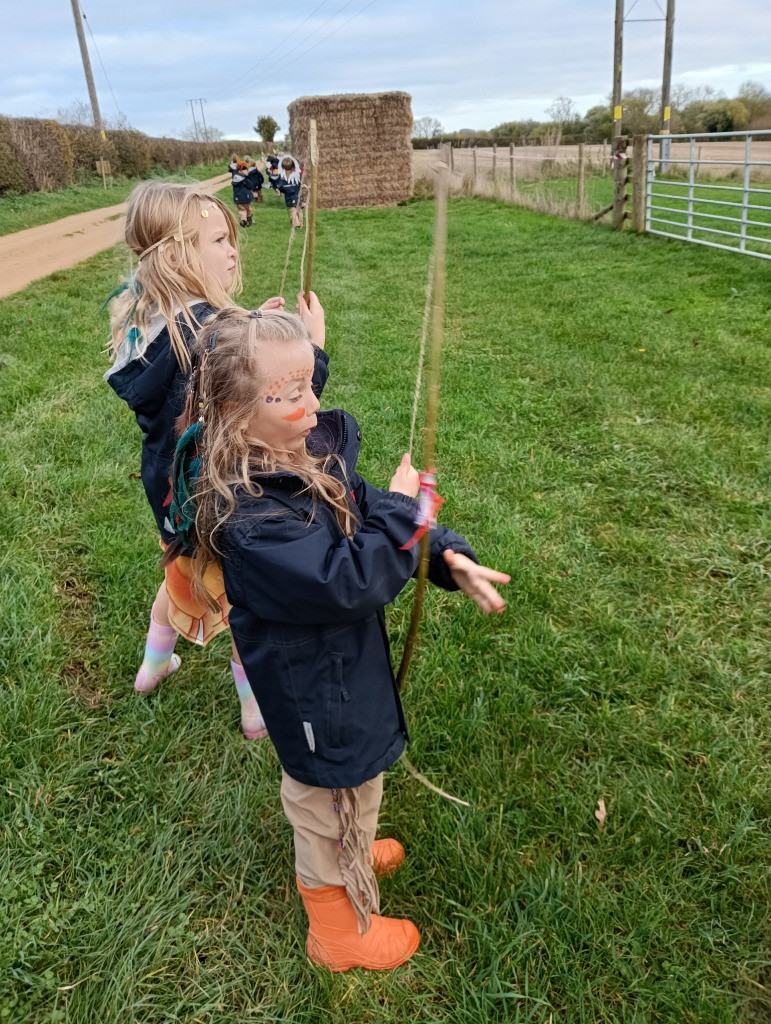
432 403
310 228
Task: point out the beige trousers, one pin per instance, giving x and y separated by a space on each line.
316 823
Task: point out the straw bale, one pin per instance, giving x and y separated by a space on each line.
364 143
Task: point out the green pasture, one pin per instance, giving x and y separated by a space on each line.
30 210
604 437
713 211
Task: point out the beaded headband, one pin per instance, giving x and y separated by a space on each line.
159 245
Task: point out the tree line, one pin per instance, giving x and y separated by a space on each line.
699 109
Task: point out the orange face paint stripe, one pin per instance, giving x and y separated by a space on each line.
294 416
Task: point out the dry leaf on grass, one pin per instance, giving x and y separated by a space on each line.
601 813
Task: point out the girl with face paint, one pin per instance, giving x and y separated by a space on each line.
266 485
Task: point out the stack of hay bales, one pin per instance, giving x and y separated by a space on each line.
364 144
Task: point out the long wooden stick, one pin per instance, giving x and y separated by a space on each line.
310 228
432 402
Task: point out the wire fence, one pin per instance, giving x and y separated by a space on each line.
571 181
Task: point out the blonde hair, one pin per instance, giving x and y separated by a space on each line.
163 224
224 391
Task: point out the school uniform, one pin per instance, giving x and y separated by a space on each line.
289 185
152 383
308 621
272 171
244 184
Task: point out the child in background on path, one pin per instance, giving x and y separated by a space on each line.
289 184
188 269
273 172
256 175
244 177
310 553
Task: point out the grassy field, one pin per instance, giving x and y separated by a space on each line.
713 212
604 437
28 211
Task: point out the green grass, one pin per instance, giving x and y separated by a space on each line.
678 208
598 189
604 437
30 210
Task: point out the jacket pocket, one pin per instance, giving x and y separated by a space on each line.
337 698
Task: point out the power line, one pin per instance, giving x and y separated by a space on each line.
334 30
269 54
279 62
104 70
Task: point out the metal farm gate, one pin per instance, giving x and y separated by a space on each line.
713 189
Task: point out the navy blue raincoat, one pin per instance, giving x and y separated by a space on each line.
245 184
153 386
307 614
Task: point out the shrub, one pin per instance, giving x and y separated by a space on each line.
12 174
44 151
88 146
133 153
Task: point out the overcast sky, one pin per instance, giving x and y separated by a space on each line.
471 64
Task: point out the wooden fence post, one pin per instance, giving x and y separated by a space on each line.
639 181
511 166
495 158
475 166
452 159
580 197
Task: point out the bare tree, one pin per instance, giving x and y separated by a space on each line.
426 128
563 110
77 112
756 98
210 134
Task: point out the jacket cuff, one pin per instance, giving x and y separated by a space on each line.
439 571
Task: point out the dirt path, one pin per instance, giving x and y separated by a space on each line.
26 256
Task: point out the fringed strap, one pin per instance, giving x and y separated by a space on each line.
184 473
355 858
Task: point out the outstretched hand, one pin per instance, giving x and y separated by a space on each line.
476 581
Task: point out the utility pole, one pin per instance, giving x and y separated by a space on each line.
195 123
618 52
87 67
666 84
205 132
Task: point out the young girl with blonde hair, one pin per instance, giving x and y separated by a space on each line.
185 240
266 486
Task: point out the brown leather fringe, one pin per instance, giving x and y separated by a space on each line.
355 859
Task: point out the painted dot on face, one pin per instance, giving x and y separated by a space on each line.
269 398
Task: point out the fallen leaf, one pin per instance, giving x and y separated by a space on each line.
601 813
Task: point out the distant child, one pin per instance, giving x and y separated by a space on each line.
245 179
311 553
289 184
188 269
273 172
258 178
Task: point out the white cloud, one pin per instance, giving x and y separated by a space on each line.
469 64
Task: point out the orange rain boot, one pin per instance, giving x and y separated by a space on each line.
387 856
333 935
